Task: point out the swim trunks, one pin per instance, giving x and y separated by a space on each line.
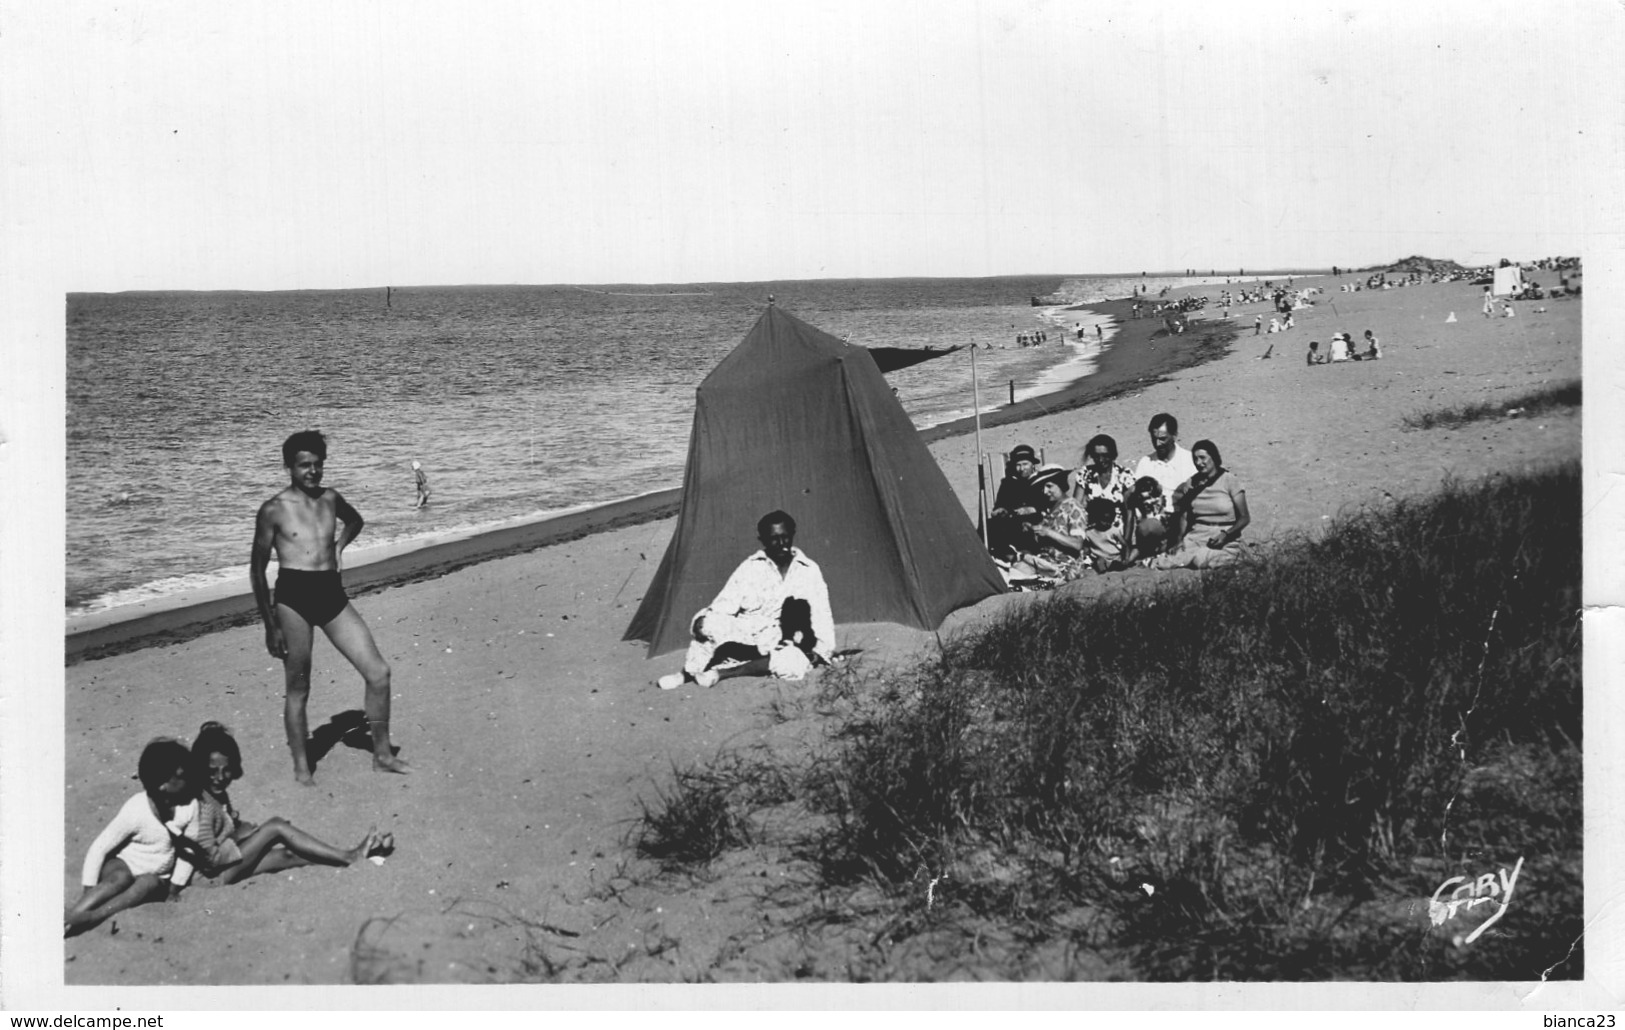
317 597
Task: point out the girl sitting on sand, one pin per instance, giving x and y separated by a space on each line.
1103 545
129 860
1149 529
235 849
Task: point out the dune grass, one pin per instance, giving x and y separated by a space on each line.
1259 773
1525 405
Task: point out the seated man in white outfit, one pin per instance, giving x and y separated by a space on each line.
1168 463
772 616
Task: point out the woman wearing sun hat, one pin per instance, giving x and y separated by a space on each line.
1057 540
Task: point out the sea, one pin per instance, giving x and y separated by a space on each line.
518 401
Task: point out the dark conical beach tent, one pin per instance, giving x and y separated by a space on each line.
794 419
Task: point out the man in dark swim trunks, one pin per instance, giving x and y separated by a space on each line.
301 524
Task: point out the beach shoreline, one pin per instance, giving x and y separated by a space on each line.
1130 360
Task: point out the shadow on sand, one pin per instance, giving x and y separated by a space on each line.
348 728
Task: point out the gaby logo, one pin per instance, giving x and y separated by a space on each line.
1468 894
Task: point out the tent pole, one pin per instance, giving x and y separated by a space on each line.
981 479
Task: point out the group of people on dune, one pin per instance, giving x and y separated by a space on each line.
1176 508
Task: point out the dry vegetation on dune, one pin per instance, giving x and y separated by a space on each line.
1535 402
1259 774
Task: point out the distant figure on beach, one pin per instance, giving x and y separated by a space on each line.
1015 505
236 850
1373 350
772 616
422 478
1340 347
301 523
1489 302
1315 357
1506 309
134 859
1258 324
1168 463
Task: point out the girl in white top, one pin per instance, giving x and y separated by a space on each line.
129 861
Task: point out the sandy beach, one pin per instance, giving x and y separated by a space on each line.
534 730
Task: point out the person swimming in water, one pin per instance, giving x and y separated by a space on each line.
422 479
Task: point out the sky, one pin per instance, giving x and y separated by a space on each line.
313 145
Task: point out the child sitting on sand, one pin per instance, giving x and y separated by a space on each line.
1147 519
1315 357
1103 542
129 861
1373 349
235 850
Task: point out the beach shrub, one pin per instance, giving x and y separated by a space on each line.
693 820
1524 405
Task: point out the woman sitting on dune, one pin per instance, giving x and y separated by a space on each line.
1214 506
134 859
1102 476
235 849
1057 541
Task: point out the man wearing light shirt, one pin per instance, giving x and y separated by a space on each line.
1168 463
773 609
